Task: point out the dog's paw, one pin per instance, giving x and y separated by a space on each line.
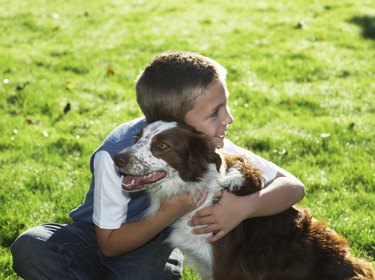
232 180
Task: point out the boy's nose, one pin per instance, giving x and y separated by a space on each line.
229 118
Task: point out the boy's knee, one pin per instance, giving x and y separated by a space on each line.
20 246
31 242
24 252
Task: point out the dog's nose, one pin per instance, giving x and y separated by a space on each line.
121 160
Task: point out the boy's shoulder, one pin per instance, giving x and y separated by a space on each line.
122 136
232 148
126 130
268 168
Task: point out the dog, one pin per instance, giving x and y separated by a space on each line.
169 159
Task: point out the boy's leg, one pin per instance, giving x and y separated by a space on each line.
155 260
54 251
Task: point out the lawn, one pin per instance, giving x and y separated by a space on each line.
301 81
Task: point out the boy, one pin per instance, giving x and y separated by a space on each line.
109 238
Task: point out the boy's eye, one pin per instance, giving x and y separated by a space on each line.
215 113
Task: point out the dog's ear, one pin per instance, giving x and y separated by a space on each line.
217 159
201 153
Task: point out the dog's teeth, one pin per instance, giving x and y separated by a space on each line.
132 183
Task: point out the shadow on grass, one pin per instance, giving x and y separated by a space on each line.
368 25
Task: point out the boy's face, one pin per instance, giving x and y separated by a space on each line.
210 114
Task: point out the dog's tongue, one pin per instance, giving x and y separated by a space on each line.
132 182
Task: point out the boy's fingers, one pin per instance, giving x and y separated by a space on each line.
207 211
207 229
216 233
201 221
216 237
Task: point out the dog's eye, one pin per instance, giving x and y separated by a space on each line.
162 146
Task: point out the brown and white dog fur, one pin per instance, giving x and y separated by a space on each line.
169 159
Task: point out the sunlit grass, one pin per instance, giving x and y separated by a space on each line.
300 77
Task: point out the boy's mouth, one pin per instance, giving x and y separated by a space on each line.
220 139
221 135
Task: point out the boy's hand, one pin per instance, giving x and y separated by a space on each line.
182 204
280 194
219 218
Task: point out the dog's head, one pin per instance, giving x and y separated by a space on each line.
164 150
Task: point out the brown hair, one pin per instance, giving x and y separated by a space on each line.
170 84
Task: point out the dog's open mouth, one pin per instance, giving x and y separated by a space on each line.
136 182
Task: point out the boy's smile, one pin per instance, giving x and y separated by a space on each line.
211 114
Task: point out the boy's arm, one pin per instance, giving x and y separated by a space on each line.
231 210
280 194
114 242
110 207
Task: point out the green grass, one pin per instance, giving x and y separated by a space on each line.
302 97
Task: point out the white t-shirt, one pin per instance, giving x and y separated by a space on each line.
111 203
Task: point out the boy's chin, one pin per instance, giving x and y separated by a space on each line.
219 142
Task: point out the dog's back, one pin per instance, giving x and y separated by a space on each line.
290 245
